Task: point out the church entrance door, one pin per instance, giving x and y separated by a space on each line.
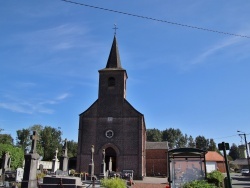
110 159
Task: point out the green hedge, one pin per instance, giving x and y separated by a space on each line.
216 178
198 184
113 183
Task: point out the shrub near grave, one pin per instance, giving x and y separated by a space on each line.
198 184
113 183
216 178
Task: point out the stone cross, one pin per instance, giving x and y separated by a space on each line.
56 153
103 155
34 139
91 164
7 161
65 148
92 152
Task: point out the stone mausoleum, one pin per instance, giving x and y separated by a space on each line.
113 124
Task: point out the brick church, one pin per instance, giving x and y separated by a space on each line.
113 124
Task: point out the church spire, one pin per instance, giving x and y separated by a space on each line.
114 57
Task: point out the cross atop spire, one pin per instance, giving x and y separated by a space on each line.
115 28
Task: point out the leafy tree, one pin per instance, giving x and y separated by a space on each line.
190 142
201 142
183 141
234 152
50 140
6 139
154 135
174 137
212 145
23 138
38 128
16 154
72 148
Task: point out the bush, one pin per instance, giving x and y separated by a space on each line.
198 184
72 172
216 177
113 183
40 175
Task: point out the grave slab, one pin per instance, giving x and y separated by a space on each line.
66 182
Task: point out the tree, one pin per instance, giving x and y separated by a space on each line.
201 142
174 137
234 152
154 135
38 128
50 140
72 148
16 154
212 145
6 139
23 138
190 142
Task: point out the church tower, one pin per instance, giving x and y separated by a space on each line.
113 124
112 84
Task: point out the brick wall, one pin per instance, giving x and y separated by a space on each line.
221 166
156 162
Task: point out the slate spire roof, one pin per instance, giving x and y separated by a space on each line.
114 56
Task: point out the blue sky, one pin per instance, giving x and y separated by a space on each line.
178 77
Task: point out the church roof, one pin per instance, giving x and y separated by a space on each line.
156 145
114 56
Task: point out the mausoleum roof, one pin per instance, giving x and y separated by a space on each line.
157 145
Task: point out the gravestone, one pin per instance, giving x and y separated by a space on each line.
6 160
47 165
31 162
60 181
103 165
41 167
55 162
64 158
61 173
19 175
91 164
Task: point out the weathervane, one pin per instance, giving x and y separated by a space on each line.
115 28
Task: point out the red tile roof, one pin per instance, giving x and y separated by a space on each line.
213 156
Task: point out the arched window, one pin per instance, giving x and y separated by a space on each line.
111 82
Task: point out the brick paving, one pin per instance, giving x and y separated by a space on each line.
150 182
148 185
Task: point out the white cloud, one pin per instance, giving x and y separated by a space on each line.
214 49
62 96
15 108
31 105
60 37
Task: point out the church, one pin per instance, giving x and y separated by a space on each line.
113 124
